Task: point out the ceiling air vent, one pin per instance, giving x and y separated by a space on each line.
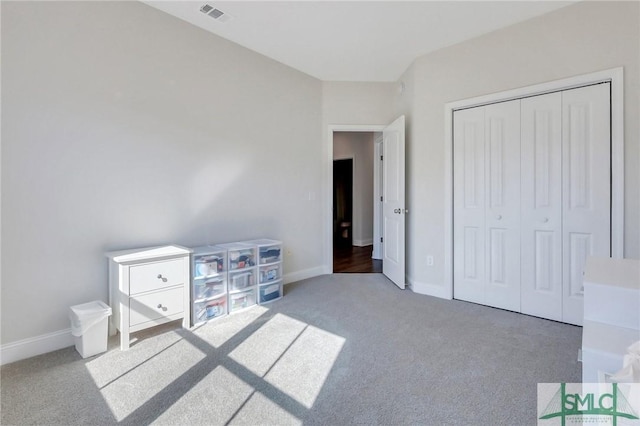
216 14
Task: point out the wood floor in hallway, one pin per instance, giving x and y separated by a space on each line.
355 259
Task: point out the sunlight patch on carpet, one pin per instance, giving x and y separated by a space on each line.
304 367
260 410
217 333
137 386
260 351
215 399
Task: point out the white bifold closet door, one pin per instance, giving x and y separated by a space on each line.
541 200
586 188
532 200
487 200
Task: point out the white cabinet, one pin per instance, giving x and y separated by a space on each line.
531 200
611 315
209 283
148 287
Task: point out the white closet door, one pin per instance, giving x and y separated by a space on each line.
502 208
469 205
586 188
541 203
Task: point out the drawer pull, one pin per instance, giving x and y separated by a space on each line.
164 280
164 308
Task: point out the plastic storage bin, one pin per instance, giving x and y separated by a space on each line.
89 327
269 251
270 292
270 273
242 300
240 255
215 308
241 280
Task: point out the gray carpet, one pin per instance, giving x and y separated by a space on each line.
336 350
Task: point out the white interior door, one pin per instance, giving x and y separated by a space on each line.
586 189
542 206
502 213
393 203
469 205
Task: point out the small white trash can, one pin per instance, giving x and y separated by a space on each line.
89 326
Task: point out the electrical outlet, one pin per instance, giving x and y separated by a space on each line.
288 253
429 260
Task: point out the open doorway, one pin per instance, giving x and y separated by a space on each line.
356 219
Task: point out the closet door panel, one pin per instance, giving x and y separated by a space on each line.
541 198
469 205
502 212
586 188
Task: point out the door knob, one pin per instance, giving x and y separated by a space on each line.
545 220
499 217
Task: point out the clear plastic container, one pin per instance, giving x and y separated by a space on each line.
240 255
270 292
269 273
208 261
205 311
269 251
242 280
242 300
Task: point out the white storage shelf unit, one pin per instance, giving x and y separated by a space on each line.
230 277
209 283
611 315
269 269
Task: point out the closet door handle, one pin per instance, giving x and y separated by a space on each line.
545 220
498 217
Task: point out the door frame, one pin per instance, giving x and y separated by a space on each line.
328 211
616 77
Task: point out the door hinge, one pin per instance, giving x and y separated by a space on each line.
381 198
381 239
381 158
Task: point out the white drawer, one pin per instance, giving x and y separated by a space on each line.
152 276
156 305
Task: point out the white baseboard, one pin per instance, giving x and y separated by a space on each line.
27 348
304 274
434 290
363 243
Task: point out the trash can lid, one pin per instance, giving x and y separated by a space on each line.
90 310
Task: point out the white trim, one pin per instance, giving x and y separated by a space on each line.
616 77
292 277
377 194
33 346
328 195
427 289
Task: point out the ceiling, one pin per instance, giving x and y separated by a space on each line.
354 40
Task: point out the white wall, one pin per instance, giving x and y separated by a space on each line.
125 127
359 146
579 39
